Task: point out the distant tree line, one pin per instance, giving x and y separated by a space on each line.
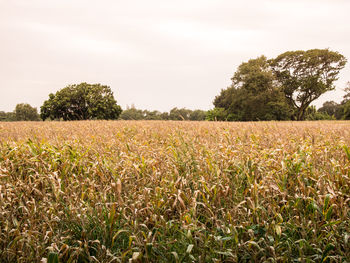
282 88
175 114
92 101
128 114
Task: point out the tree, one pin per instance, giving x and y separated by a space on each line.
25 112
332 109
253 94
311 114
346 111
7 116
164 116
179 114
306 75
132 114
216 114
198 115
81 102
152 115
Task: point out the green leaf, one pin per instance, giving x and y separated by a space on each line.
347 151
326 251
52 257
329 213
326 203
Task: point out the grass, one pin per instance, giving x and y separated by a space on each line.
119 191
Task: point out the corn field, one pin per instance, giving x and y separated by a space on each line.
163 191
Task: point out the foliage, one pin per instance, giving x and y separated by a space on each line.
179 114
132 114
108 191
311 114
152 115
306 75
25 112
81 102
345 104
217 114
197 115
338 110
22 112
281 88
346 96
174 114
332 108
346 111
7 116
253 94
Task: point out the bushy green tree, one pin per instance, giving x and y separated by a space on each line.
216 114
25 112
311 114
332 109
132 114
179 114
152 115
198 115
253 94
164 116
305 75
281 88
81 102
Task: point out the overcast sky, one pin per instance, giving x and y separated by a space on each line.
156 54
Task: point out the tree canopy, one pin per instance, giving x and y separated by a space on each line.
332 109
281 88
81 102
25 112
253 94
305 75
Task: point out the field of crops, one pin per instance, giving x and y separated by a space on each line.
157 191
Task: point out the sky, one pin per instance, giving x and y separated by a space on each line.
156 54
